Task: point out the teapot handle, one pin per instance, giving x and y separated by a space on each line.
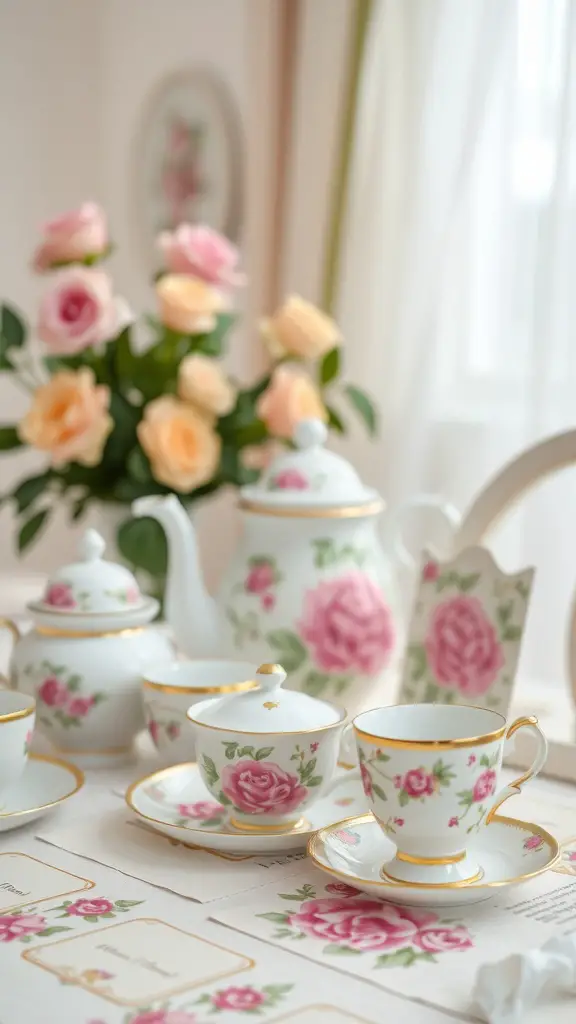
11 626
448 512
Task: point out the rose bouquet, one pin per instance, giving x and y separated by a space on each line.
117 422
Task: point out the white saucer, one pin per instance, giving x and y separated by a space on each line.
156 799
509 852
46 782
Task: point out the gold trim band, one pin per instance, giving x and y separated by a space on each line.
287 826
460 883
516 787
454 744
78 634
250 684
411 859
330 512
12 716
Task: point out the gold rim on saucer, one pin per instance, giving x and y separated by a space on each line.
362 819
157 776
47 759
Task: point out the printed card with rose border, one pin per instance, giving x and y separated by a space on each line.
466 632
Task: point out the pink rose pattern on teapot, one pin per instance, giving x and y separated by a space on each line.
344 629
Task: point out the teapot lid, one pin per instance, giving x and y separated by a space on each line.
310 479
268 709
91 585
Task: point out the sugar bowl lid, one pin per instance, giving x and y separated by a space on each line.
310 478
91 585
268 709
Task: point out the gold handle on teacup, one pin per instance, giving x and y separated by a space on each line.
527 722
12 628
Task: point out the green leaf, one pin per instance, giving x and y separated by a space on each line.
31 527
316 780
335 421
262 753
142 542
128 903
465 797
467 583
12 334
223 799
522 588
417 654
341 950
210 769
363 406
9 439
246 752
379 791
78 507
92 918
504 613
431 694
230 750
485 761
53 930
315 682
512 633
381 756
290 651
277 918
138 466
401 958
403 798
330 366
212 344
29 490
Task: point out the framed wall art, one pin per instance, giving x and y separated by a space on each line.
188 160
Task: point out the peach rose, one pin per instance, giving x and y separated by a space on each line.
299 329
78 310
187 304
72 237
182 447
69 418
289 398
199 250
201 381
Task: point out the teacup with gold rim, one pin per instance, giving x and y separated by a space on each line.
430 773
170 688
267 754
17 716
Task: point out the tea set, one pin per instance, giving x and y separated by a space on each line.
255 766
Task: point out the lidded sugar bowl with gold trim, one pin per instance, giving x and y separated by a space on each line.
85 655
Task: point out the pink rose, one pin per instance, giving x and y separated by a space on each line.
361 923
78 310
81 908
366 779
132 595
60 595
453 823
484 786
398 821
80 706
200 809
443 940
314 747
15 926
199 250
342 889
73 237
238 998
570 855
154 730
260 578
462 646
289 480
262 787
346 836
53 693
417 783
533 843
348 625
430 572
471 760
268 601
397 782
173 731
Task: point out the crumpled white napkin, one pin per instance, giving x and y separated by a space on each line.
505 991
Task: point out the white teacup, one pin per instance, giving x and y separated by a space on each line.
168 690
430 773
17 717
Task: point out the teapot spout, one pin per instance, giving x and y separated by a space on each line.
189 609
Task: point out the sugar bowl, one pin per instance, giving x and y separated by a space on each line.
85 655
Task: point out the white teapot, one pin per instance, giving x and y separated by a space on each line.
310 585
85 656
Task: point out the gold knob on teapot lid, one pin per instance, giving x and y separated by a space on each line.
268 669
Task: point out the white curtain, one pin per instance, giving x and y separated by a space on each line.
457 289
